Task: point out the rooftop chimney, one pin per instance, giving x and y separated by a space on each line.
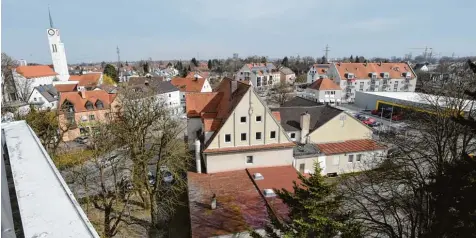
234 86
213 204
305 122
82 91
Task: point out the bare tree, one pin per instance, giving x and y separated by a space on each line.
394 200
281 93
8 85
104 180
160 158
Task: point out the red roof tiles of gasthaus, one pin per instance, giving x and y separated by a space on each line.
349 146
280 177
363 70
239 204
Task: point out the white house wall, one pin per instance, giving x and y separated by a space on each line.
235 161
342 127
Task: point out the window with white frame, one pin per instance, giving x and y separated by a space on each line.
351 159
227 138
258 118
249 159
243 119
359 158
258 135
292 135
272 134
243 136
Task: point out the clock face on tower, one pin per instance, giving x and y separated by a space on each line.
51 32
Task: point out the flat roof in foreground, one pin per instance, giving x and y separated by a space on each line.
47 206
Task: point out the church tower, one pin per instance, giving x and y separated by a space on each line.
58 54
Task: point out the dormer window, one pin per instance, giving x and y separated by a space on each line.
373 75
350 76
89 105
99 104
385 75
407 74
68 106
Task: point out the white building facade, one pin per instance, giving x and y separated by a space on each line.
317 71
262 76
372 77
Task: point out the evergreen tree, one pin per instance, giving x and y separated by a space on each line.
351 58
313 211
357 59
210 64
194 62
111 71
323 60
285 62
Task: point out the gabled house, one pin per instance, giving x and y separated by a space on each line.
318 128
232 129
372 77
44 97
324 91
317 71
80 111
200 75
260 75
287 75
28 77
87 81
163 90
191 85
70 87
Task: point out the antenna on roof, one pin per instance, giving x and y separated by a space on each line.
51 19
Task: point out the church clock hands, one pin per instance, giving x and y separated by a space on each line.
51 32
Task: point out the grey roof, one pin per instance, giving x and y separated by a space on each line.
305 151
286 70
48 91
155 84
320 114
300 102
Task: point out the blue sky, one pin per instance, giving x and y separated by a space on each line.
181 29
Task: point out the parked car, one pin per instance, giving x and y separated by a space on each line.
81 140
376 112
369 121
397 117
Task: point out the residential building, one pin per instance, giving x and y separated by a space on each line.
82 110
28 77
70 87
232 129
163 90
191 85
421 67
260 75
87 81
317 71
36 201
44 97
287 75
312 124
324 91
197 74
372 77
168 73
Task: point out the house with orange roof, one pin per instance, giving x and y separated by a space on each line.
231 129
87 81
81 111
261 75
324 90
317 71
191 85
28 77
372 77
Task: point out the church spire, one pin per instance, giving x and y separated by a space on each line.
51 19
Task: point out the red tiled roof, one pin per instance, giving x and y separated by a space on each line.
79 103
211 124
251 147
280 177
196 103
349 146
91 79
277 115
324 84
188 84
363 70
239 204
35 71
70 87
191 75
